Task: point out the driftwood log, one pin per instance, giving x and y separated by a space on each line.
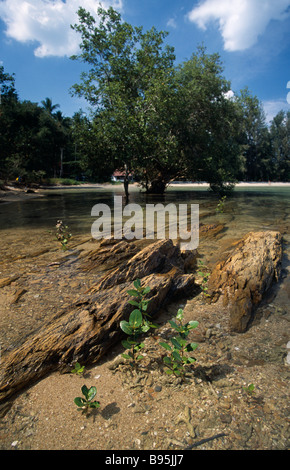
86 330
246 275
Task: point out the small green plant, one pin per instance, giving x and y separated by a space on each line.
139 322
177 360
250 389
205 274
84 404
221 205
139 301
133 328
78 369
62 234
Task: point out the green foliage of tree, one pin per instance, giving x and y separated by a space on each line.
210 122
31 136
280 147
48 106
126 70
254 137
149 116
161 121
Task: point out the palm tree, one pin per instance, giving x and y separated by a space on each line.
48 106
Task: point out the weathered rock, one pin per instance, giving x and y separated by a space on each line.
85 330
210 230
8 280
246 275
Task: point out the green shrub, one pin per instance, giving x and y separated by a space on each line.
177 360
84 404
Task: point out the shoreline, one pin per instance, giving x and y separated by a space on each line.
13 194
174 184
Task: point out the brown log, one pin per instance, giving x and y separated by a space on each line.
246 275
88 328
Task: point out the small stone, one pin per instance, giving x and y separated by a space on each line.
226 418
158 388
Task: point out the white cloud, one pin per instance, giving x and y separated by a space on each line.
171 23
272 108
47 22
241 22
229 95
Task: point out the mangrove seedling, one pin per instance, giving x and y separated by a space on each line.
62 234
250 389
78 369
84 404
139 322
177 360
133 328
204 273
221 205
139 301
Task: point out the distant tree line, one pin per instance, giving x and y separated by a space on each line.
148 117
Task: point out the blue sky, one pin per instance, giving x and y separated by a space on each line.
252 37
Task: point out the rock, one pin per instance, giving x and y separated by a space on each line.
85 330
6 281
18 294
210 230
246 275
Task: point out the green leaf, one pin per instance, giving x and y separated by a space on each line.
79 402
92 393
174 325
133 302
135 319
167 360
125 356
146 290
139 346
126 344
144 305
133 292
85 391
179 315
166 346
78 369
95 404
154 325
137 283
191 360
193 324
176 356
126 327
176 343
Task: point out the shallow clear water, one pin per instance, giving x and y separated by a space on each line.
29 226
255 208
247 209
